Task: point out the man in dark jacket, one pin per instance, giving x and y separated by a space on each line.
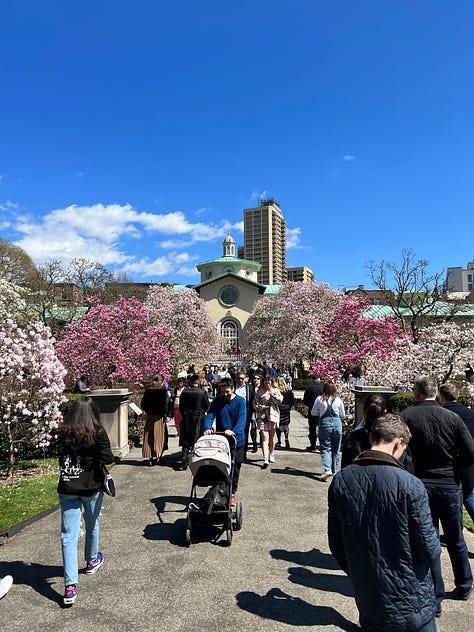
448 395
440 446
314 390
381 533
193 405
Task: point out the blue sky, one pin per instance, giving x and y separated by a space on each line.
135 133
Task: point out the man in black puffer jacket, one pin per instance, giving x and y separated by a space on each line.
440 447
381 534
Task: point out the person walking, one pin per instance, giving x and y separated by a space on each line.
314 390
228 413
381 534
330 410
83 448
193 405
286 404
440 446
176 394
266 403
448 395
358 440
155 434
245 389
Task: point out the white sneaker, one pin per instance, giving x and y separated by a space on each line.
324 477
271 458
5 585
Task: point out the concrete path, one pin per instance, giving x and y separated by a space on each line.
277 576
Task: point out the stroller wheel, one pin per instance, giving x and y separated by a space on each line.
238 516
187 533
229 536
187 537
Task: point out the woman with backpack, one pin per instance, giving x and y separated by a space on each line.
83 448
330 410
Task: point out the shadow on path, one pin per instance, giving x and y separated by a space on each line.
280 606
339 584
37 576
313 557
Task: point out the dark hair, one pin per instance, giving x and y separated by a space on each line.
226 382
81 425
374 407
387 428
192 379
449 392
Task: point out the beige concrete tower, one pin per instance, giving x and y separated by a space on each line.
265 240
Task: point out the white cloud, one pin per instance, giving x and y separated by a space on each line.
112 233
257 196
349 157
293 237
9 206
81 174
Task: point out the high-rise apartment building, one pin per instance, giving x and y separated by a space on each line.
265 241
301 273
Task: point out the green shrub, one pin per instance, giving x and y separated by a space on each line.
464 397
400 401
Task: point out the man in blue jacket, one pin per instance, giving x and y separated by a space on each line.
381 533
229 413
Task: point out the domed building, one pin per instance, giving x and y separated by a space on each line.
230 289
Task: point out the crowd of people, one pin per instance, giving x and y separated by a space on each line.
394 478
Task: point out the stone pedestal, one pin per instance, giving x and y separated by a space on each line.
113 405
361 393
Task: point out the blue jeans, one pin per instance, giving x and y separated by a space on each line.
446 507
71 508
469 504
330 436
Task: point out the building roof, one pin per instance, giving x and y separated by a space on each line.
244 262
272 289
261 288
439 309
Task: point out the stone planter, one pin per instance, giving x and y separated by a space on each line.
361 393
113 406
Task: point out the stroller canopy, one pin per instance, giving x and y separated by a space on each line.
211 451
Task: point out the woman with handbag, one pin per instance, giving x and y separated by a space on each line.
83 449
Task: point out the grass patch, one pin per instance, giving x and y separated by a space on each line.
31 491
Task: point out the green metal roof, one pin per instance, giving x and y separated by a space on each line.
245 262
440 309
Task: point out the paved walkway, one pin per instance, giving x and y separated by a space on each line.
277 576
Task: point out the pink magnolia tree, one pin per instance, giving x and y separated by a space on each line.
286 327
32 383
351 337
115 343
193 337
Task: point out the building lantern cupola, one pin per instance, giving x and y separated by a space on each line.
228 247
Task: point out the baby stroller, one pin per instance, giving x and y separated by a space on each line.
211 462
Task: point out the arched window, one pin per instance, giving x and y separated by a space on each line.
230 336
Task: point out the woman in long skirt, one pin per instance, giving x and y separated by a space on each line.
155 434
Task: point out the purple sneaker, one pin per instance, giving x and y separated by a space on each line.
93 567
70 594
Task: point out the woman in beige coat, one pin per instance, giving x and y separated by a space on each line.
266 404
